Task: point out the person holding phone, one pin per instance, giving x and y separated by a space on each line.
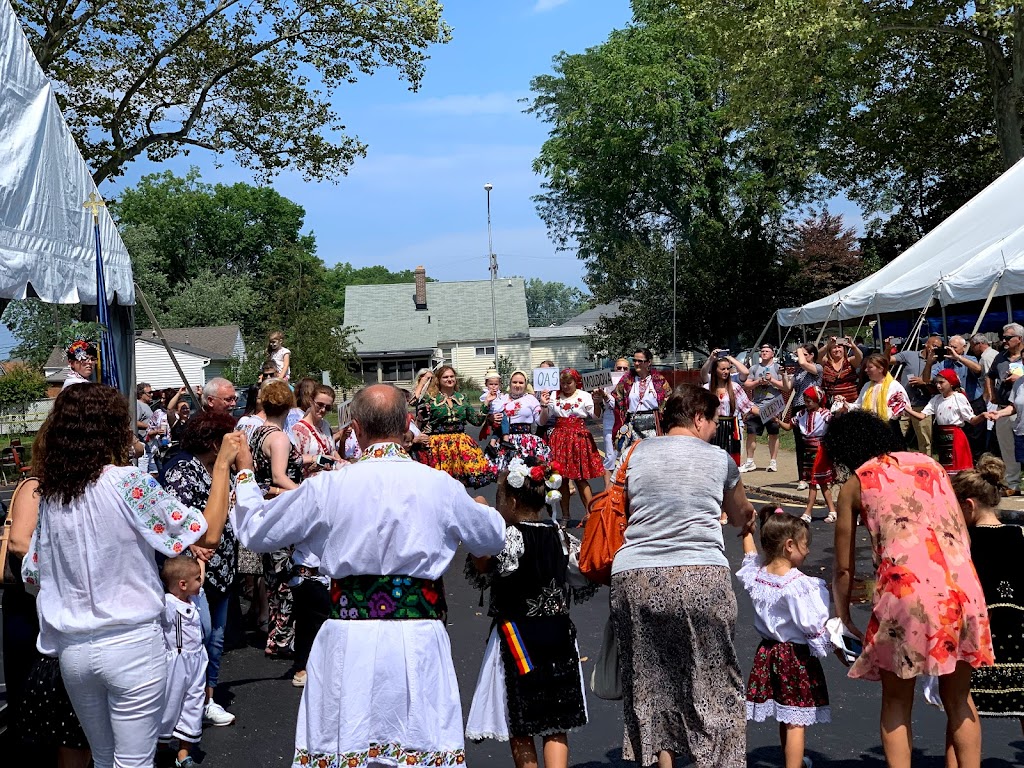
312 433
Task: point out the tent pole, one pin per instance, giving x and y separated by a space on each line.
1009 310
160 333
945 330
878 327
988 301
914 334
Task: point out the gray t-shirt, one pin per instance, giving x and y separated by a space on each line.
675 485
764 391
142 413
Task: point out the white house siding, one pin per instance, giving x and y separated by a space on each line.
467 363
153 366
567 352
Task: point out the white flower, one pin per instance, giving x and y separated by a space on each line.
553 497
517 472
554 482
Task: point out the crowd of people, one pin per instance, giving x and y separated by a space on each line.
142 528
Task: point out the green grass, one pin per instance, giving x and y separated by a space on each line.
785 440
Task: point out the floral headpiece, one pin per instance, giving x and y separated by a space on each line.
81 349
549 474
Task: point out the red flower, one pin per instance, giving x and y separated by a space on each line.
897 579
195 527
430 595
136 493
175 516
556 467
177 547
158 528
537 473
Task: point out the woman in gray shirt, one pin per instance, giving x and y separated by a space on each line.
673 605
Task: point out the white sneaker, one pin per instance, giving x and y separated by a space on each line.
773 466
215 714
748 466
806 518
802 485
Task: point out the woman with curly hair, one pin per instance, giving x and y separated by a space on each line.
445 413
189 477
928 615
93 558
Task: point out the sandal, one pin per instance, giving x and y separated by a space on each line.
831 518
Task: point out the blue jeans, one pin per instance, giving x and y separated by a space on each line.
213 613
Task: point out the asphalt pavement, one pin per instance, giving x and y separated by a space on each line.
260 693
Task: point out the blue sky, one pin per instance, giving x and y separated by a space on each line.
418 196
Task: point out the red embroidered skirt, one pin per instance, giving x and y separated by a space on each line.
816 466
953 449
573 447
788 684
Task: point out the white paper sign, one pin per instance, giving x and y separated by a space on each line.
594 379
772 408
545 380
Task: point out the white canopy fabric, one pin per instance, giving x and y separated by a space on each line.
47 239
956 262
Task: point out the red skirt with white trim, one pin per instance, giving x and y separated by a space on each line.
953 448
574 448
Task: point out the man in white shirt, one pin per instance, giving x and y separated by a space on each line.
380 682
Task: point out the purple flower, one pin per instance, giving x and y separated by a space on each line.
381 605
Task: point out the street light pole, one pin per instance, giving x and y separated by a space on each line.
493 261
675 297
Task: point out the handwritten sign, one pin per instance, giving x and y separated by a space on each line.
344 416
772 408
594 379
545 379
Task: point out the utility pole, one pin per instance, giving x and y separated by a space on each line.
493 262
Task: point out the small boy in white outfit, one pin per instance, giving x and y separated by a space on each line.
186 657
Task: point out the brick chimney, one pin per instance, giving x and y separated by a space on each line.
421 288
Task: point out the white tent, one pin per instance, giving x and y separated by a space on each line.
957 262
47 238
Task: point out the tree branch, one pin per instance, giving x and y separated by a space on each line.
946 29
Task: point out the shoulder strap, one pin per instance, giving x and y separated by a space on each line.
620 474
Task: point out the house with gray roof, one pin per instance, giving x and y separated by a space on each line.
401 327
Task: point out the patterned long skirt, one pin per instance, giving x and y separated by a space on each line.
787 683
280 602
681 681
953 449
458 454
727 436
521 444
574 448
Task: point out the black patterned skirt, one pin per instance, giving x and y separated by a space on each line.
787 683
47 718
727 436
521 443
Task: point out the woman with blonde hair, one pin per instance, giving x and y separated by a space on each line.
520 413
445 411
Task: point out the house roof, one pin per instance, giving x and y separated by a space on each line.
589 318
388 321
186 348
215 342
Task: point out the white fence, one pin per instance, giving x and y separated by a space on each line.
28 422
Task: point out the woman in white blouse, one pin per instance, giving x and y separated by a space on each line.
93 558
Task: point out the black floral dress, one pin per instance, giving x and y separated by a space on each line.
530 598
277 566
188 480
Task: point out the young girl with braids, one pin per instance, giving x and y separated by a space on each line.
530 681
997 550
790 611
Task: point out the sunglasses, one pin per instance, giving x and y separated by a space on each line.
322 406
639 361
1007 338
621 367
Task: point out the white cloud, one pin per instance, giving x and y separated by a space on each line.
467 105
546 5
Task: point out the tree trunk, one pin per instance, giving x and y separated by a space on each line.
1009 124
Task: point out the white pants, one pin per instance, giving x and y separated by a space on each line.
115 679
186 695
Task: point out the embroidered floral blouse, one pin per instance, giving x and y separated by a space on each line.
93 560
524 409
439 415
579 404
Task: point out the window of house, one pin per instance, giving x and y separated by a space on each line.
485 351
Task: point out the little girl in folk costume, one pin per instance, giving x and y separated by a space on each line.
815 468
530 681
790 611
951 410
493 400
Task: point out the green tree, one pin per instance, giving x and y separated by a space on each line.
20 386
40 327
641 172
552 302
255 81
824 255
211 299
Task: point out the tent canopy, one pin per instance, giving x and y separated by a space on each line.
47 239
956 262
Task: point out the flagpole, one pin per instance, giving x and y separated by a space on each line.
108 373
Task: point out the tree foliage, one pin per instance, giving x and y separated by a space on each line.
39 327
552 302
824 255
20 386
255 81
642 172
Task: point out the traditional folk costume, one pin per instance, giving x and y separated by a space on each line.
277 565
790 611
638 404
381 687
727 436
449 448
572 445
815 467
530 682
186 671
997 552
519 415
886 399
950 414
312 440
488 431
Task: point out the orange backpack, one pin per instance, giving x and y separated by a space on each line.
605 531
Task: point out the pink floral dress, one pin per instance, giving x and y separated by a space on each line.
929 609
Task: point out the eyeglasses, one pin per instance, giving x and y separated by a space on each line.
621 367
639 360
148 392
230 399
322 406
